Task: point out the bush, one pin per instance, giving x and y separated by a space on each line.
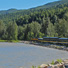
52 62
59 60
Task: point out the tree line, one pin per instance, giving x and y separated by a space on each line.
52 22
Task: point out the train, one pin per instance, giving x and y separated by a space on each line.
55 40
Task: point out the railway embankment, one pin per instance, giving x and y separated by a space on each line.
55 46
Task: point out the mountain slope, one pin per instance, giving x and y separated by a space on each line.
14 14
49 5
8 11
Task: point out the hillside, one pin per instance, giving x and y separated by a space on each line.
13 14
8 11
49 5
35 23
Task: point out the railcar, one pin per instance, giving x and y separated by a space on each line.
40 39
52 40
63 40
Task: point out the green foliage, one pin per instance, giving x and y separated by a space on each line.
51 30
44 25
59 60
3 40
12 31
30 35
61 28
33 66
20 33
41 35
38 66
35 23
14 41
35 28
2 30
52 62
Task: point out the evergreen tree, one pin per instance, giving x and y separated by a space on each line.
2 29
50 30
12 31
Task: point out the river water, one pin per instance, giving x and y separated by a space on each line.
16 55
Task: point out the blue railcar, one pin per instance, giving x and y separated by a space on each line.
50 38
63 39
40 38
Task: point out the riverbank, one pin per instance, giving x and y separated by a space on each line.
60 47
57 64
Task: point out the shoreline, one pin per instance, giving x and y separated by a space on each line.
12 41
59 47
59 63
48 45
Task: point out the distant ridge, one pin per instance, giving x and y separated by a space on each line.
46 6
8 11
49 5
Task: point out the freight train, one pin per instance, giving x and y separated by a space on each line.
51 40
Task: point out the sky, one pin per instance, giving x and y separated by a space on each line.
22 4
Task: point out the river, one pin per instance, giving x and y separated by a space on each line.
16 55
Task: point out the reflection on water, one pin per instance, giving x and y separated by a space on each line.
14 55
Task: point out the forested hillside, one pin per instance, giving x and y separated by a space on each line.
46 6
8 11
13 14
49 5
36 23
